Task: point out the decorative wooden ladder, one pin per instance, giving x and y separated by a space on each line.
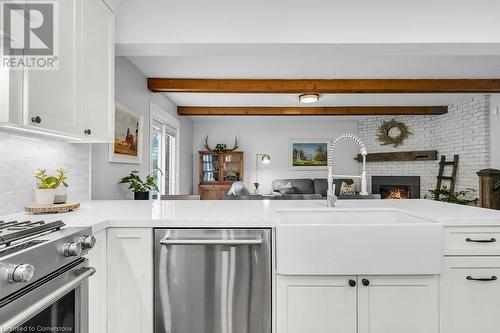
453 177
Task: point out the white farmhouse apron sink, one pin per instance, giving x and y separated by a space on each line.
357 242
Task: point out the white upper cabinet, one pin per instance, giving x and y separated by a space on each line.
98 38
77 99
51 97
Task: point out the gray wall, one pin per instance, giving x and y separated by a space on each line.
271 135
131 89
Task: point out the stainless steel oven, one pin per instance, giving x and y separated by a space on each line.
44 278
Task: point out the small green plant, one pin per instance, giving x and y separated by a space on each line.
46 182
460 198
136 184
61 177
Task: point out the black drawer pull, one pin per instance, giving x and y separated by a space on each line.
470 278
491 240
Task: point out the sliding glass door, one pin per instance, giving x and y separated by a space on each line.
163 156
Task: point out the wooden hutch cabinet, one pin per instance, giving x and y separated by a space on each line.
217 172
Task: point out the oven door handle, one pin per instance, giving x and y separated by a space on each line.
22 317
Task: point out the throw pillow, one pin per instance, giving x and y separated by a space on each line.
286 188
348 189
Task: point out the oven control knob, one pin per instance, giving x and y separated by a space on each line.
73 249
21 273
87 242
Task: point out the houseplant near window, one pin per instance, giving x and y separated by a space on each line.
140 188
45 190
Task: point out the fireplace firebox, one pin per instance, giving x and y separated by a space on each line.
396 187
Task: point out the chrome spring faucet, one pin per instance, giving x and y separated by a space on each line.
331 198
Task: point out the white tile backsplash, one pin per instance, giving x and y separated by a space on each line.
21 156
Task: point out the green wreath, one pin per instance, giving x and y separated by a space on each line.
384 136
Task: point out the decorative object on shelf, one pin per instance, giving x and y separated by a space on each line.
218 171
45 189
221 147
140 188
61 191
54 208
393 133
460 198
489 188
128 134
265 158
454 168
308 154
422 155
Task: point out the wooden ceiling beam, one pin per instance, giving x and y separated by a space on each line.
311 111
325 86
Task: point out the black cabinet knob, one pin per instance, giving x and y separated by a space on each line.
365 282
352 283
87 131
36 119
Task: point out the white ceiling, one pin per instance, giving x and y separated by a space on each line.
199 99
308 64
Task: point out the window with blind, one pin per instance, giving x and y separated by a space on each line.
163 156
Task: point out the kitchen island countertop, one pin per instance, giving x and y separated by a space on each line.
101 214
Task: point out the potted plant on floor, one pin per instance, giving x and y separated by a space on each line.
45 190
140 188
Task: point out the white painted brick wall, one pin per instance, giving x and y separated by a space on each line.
464 130
20 157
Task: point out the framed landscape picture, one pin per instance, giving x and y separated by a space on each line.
128 134
309 154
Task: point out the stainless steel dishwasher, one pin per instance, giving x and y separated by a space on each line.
212 281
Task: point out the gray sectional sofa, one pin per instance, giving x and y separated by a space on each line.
305 188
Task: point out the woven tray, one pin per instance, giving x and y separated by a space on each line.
56 208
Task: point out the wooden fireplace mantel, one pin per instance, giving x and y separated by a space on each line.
421 155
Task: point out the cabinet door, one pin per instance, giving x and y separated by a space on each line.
97 285
395 304
468 305
130 280
98 36
55 95
315 304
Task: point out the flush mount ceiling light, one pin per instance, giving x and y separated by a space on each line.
308 98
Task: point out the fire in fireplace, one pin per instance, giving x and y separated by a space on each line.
396 187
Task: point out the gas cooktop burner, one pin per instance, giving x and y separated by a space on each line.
15 230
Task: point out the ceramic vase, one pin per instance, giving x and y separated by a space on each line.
45 196
61 195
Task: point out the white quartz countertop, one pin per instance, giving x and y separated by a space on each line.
245 213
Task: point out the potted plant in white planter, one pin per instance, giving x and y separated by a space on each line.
61 191
140 188
45 190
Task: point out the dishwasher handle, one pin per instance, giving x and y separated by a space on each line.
228 242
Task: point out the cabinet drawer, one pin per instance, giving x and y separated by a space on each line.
472 241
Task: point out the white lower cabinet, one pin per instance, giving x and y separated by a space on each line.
375 304
395 304
130 280
316 304
98 284
470 295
